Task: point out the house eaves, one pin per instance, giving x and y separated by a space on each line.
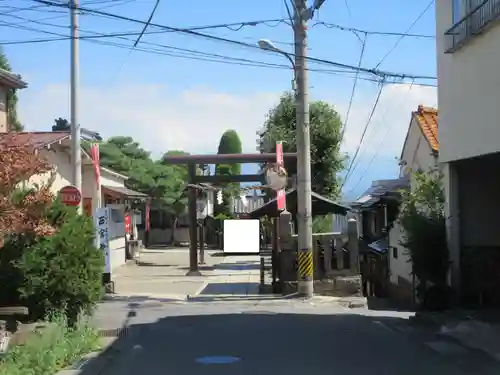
11 80
427 120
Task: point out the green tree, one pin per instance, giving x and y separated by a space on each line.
423 220
229 143
162 182
325 128
61 125
12 99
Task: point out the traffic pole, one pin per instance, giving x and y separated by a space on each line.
304 203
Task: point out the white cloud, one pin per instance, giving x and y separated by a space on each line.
387 130
162 119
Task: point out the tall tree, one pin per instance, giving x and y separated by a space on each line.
60 125
325 123
229 143
12 99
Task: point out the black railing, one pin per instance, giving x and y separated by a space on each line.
474 23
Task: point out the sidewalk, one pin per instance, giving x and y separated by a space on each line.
162 275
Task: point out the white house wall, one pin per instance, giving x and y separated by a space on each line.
61 161
468 94
417 152
399 266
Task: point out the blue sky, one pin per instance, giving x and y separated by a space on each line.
167 102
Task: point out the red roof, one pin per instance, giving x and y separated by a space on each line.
35 139
427 119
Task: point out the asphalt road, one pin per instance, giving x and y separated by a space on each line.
283 338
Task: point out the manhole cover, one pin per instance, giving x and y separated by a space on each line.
218 360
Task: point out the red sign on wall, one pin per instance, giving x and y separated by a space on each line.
70 195
281 198
128 224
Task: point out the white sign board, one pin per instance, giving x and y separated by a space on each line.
242 236
101 219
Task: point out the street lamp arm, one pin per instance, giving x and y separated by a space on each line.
269 46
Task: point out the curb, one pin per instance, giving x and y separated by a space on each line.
431 320
96 362
146 296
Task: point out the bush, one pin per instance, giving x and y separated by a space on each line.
423 220
48 351
61 272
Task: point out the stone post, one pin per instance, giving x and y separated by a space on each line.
328 251
287 255
339 251
353 244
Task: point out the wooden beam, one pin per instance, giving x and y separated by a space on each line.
227 179
226 158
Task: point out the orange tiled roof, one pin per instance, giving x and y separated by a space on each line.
427 119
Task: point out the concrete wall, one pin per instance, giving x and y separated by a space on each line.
469 86
163 236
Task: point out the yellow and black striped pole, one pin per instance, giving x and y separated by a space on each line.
305 262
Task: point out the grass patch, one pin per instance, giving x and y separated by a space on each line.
53 348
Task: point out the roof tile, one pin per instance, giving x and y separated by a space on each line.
35 139
427 119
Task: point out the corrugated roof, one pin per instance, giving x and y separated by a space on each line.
427 119
380 188
35 139
125 191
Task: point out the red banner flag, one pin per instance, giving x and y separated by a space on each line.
280 195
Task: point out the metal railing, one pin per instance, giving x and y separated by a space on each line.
474 23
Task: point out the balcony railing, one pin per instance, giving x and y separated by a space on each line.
474 23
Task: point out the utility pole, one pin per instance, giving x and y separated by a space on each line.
304 203
76 153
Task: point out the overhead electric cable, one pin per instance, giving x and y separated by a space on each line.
405 34
372 112
239 43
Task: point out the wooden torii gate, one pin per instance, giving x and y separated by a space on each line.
192 161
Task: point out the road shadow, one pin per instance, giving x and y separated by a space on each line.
268 342
238 266
244 288
383 304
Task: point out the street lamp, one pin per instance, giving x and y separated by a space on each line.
267 45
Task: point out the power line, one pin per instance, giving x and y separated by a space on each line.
242 44
354 85
151 15
194 54
374 108
389 128
371 32
405 34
